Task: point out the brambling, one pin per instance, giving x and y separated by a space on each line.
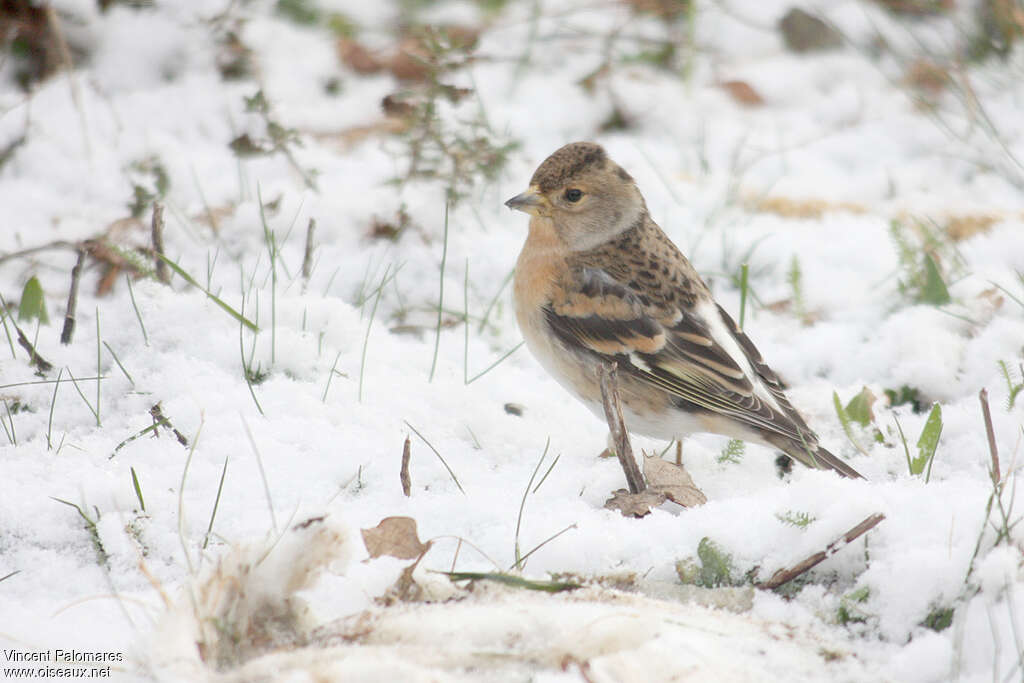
598 281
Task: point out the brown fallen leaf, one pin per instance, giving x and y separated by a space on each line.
634 504
927 76
742 92
358 58
411 62
672 481
395 537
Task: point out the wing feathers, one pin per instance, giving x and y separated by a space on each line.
677 352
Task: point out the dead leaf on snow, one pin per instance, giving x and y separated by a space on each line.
634 504
673 481
358 58
742 92
395 537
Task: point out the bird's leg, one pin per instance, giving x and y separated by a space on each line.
679 452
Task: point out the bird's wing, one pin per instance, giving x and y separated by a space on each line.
697 354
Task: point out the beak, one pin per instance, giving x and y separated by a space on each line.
528 201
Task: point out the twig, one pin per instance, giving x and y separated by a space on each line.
162 273
33 356
307 257
159 419
990 432
786 575
56 244
404 473
608 375
69 317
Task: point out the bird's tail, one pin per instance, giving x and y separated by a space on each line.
813 455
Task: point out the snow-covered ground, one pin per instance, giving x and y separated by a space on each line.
814 177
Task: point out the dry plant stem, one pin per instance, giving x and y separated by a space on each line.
33 356
159 419
404 472
307 257
57 244
786 575
609 377
162 273
991 434
69 318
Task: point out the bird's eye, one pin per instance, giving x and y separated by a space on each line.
573 195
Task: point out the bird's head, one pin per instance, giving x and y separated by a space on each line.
587 196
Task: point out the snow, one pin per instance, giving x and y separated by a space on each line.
345 384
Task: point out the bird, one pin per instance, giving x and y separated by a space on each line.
598 282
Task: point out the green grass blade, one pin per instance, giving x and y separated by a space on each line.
216 299
844 420
928 442
495 363
138 315
903 440
513 581
33 304
118 361
934 290
440 299
366 339
138 489
216 504
53 401
522 503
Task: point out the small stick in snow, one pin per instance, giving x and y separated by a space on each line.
609 377
57 244
786 575
69 318
33 356
404 473
160 420
162 273
307 258
990 432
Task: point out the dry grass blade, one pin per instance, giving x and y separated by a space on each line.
783 576
307 255
431 447
991 434
157 228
